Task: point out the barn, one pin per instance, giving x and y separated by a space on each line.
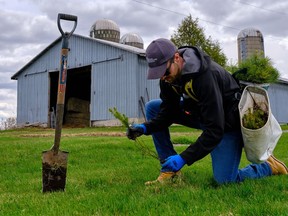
104 71
101 74
278 96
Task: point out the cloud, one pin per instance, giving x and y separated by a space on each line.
25 28
8 107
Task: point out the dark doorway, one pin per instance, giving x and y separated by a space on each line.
77 98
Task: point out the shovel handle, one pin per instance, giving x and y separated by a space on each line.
62 78
67 17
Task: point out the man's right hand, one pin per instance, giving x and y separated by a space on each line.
135 131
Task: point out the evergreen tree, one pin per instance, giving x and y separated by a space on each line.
189 33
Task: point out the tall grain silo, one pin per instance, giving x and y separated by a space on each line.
250 41
132 39
105 29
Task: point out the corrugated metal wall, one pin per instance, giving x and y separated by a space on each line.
118 79
147 89
119 82
33 86
112 84
32 97
278 96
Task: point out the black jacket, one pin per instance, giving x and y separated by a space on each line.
212 91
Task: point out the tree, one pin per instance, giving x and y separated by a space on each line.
8 123
189 33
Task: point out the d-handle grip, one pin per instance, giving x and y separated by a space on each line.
67 17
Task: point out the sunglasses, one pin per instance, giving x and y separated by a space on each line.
167 72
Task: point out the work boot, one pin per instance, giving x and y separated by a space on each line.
165 177
277 167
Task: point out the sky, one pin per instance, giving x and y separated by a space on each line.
29 26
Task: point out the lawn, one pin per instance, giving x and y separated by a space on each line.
106 175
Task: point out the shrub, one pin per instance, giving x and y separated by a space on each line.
256 69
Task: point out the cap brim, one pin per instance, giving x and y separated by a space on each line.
156 72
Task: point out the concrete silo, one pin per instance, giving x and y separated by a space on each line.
250 41
105 29
132 39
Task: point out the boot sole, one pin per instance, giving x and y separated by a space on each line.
280 162
170 180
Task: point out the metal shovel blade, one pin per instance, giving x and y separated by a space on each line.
54 169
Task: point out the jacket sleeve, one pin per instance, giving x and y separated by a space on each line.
169 109
210 102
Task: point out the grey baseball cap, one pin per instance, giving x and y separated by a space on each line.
158 53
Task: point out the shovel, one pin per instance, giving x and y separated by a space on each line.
54 161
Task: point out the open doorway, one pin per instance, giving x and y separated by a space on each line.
77 98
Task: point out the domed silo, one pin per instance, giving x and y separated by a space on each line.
132 39
105 29
250 41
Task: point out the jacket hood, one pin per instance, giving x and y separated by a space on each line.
195 60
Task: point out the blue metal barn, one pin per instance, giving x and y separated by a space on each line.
278 95
103 73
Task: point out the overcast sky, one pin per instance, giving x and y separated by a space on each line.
28 26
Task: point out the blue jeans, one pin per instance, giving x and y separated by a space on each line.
225 157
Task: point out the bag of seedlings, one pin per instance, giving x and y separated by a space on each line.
260 129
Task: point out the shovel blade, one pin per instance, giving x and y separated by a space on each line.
54 169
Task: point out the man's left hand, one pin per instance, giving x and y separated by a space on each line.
173 163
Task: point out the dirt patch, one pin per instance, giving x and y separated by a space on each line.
100 134
96 134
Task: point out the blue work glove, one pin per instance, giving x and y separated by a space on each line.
173 163
135 131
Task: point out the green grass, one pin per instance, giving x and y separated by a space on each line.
106 176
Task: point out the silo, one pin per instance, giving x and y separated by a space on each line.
132 39
105 29
250 41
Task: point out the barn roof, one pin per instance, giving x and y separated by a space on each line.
128 48
283 81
